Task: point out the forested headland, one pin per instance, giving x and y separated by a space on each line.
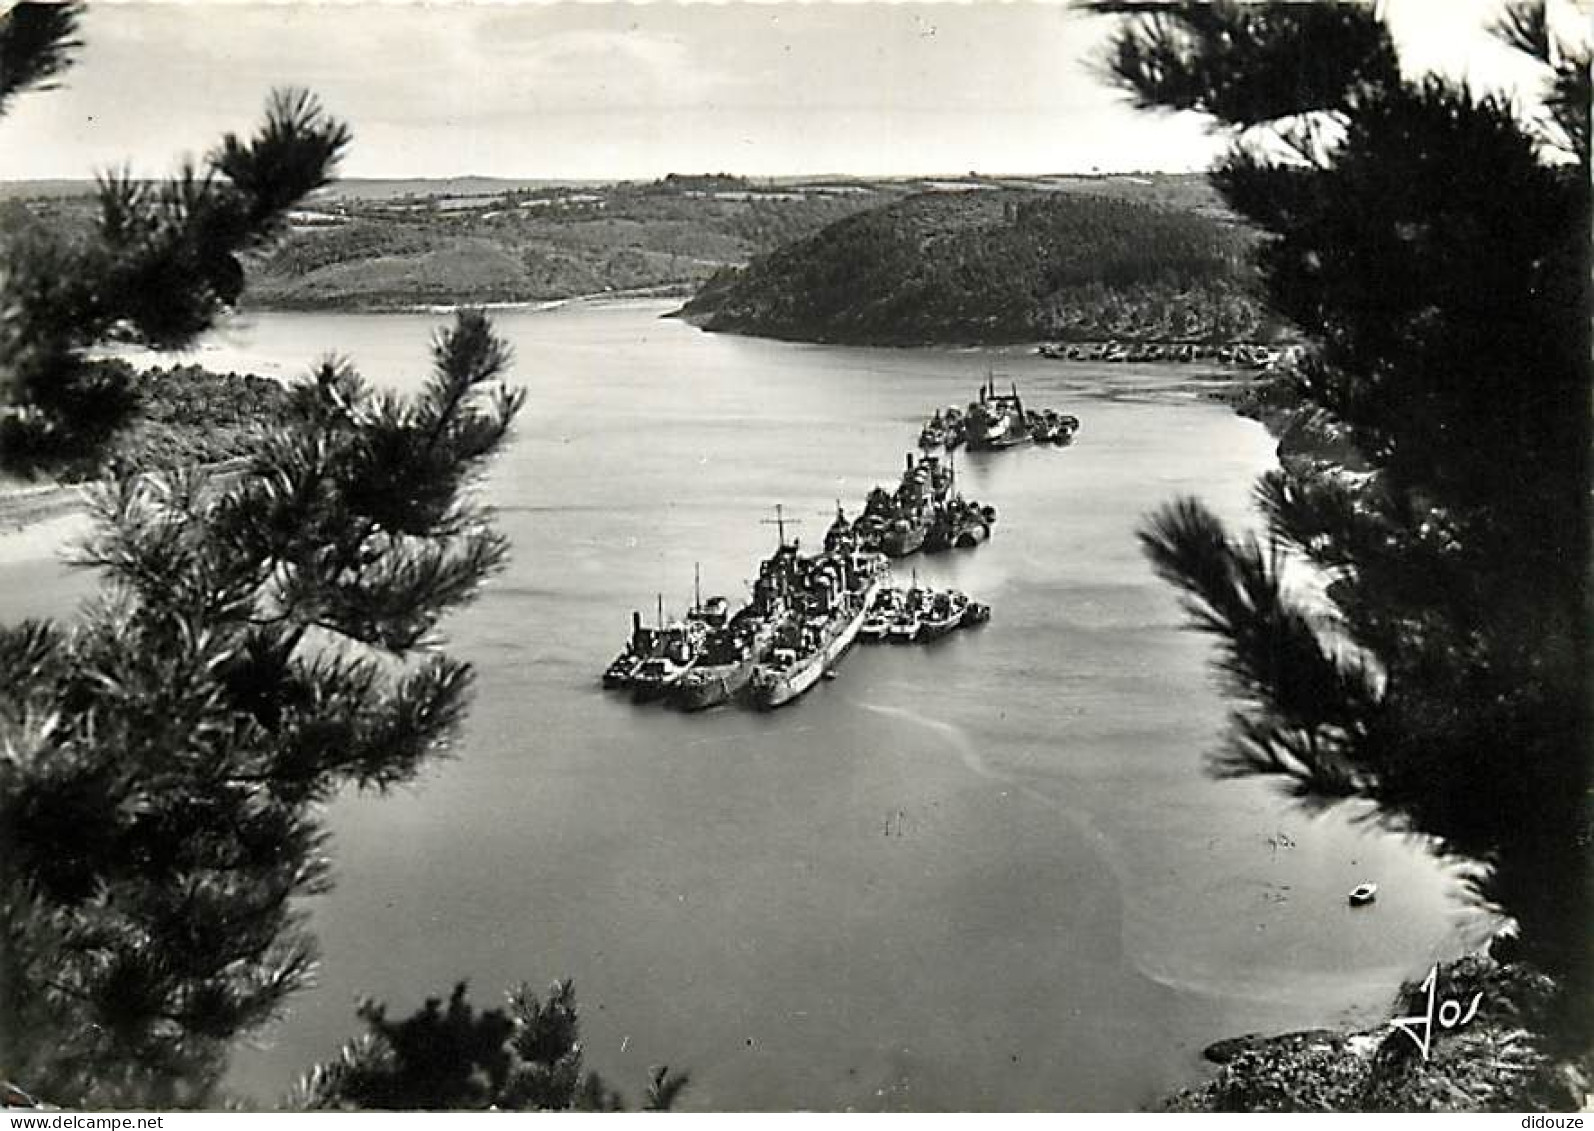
1000 265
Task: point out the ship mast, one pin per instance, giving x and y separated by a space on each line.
779 521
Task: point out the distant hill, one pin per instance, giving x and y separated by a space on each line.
371 244
392 245
352 188
374 245
387 188
1068 258
32 190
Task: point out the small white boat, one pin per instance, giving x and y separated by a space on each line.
1363 894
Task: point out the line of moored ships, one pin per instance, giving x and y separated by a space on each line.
807 610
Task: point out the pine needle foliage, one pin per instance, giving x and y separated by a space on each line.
1431 242
262 640
37 43
157 268
527 1057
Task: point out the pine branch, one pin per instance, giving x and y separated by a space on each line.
1314 771
1524 26
174 921
1310 707
1278 198
160 762
1570 99
162 267
294 153
664 1088
27 651
417 718
38 41
329 1086
397 597
1433 248
1248 63
464 357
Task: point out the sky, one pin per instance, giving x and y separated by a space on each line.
609 91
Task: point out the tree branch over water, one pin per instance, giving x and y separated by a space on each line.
1433 247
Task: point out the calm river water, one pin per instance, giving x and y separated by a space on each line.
984 874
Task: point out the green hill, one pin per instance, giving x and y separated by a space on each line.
998 265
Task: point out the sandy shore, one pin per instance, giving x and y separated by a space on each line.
37 523
42 541
25 507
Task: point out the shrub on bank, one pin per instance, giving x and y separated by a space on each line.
185 416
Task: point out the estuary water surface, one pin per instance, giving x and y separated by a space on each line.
990 873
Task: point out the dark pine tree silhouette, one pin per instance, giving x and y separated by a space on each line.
457 1059
1431 242
262 638
158 266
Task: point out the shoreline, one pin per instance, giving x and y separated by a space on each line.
27 507
24 509
414 306
1497 1060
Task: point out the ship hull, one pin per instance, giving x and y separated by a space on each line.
934 630
776 690
644 690
999 443
649 691
619 676
712 686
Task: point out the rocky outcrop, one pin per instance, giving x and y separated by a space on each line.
1500 1060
